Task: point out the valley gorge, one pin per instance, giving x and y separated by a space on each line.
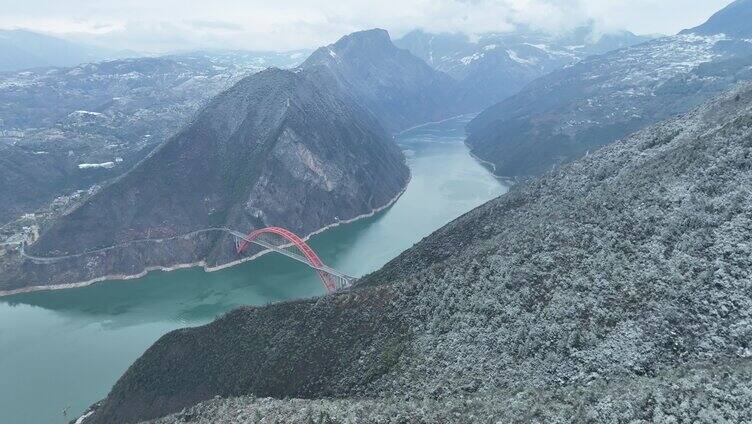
531 226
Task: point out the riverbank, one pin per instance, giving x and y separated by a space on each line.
202 264
491 167
441 121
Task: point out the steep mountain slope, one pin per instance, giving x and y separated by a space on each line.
498 65
613 289
53 122
733 21
280 148
578 109
398 87
21 49
440 51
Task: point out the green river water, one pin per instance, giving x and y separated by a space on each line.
63 350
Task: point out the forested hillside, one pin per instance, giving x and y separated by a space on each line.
615 288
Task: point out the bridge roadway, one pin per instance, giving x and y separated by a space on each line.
343 279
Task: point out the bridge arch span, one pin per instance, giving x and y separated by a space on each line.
311 257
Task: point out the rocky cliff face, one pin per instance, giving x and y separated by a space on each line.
399 88
564 115
280 148
615 288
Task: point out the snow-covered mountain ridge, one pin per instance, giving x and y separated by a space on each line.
494 66
569 112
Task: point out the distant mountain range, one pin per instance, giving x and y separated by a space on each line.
563 115
21 49
495 66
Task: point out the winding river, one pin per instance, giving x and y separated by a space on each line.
60 351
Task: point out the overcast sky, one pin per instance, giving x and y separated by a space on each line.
166 25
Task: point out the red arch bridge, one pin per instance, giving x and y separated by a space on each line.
287 243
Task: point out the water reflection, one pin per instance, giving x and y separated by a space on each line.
186 295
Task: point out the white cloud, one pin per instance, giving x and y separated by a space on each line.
161 25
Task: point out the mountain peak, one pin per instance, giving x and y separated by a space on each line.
733 20
368 41
375 34
398 87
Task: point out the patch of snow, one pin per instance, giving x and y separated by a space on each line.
81 419
86 112
515 57
490 47
332 54
539 46
469 59
132 75
103 165
12 133
709 39
551 52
